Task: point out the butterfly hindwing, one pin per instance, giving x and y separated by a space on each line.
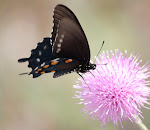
65 66
60 66
61 72
42 53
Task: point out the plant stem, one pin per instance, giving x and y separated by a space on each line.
140 124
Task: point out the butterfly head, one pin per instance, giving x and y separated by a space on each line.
84 69
91 66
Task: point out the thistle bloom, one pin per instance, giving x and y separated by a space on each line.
118 89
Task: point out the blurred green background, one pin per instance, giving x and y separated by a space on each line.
46 103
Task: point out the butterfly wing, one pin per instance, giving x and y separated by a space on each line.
42 60
41 54
61 12
59 66
70 42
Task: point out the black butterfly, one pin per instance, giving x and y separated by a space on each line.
66 51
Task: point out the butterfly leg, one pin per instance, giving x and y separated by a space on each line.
91 73
83 80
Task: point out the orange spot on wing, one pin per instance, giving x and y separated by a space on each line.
53 71
46 66
68 61
38 70
42 72
54 63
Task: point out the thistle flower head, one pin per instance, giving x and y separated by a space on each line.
118 89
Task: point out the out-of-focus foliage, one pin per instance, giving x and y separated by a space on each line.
46 103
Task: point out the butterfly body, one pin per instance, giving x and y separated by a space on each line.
66 51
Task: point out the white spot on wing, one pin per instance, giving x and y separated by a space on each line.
50 41
55 59
58 45
58 50
45 47
55 41
36 68
56 36
38 59
62 36
43 64
60 40
40 53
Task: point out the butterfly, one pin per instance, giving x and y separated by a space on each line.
66 51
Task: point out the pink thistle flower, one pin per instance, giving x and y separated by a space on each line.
118 89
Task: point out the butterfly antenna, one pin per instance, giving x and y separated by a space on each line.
99 51
102 64
84 80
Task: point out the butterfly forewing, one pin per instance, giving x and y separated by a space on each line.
70 42
61 12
